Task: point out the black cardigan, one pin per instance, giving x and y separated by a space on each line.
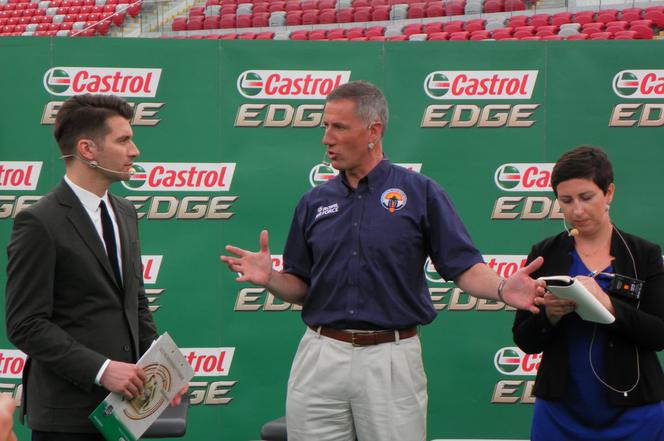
641 328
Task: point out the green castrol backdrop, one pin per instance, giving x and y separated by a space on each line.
230 138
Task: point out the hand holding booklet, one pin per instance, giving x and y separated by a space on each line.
166 371
587 306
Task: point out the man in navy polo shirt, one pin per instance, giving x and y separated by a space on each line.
354 259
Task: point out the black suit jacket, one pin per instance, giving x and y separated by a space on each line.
635 328
66 311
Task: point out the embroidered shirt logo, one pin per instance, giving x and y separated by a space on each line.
393 199
324 211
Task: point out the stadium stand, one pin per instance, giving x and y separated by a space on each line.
324 20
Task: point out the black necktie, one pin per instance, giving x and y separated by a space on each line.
109 240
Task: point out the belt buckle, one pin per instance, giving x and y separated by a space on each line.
352 339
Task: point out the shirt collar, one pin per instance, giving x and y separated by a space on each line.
89 200
375 177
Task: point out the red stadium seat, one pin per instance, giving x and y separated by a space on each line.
545 31
434 10
607 15
310 17
345 15
193 24
260 20
480 35
192 12
309 4
475 25
335 34
134 9
361 4
261 7
299 35
229 36
294 18
228 9
327 16
601 36
514 5
624 35
414 28
454 26
415 10
243 21
291 6
247 36
355 33
277 6
362 14
616 26
656 16
380 13
318 34
647 23
455 8
227 21
265 36
521 34
211 23
561 18
438 36
459 36
375 31
538 20
397 38
432 27
631 14
584 17
327 4
502 33
553 37
491 6
642 32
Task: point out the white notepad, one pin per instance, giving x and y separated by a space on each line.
587 306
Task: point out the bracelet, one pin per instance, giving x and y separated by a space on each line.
501 285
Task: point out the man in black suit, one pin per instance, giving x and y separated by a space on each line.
75 300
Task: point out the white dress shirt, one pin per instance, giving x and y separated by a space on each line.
90 202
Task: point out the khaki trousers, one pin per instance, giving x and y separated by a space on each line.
338 392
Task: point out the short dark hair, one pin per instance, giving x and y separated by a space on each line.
370 103
84 116
583 162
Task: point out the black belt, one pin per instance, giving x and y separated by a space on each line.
364 338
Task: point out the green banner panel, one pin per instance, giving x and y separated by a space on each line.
230 138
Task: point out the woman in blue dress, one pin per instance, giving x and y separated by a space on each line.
596 382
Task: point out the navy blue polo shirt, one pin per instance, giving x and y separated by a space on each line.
362 251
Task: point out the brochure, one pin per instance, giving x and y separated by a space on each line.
166 371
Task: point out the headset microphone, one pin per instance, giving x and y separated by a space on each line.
573 232
324 161
95 164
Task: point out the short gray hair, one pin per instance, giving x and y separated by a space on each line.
370 103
